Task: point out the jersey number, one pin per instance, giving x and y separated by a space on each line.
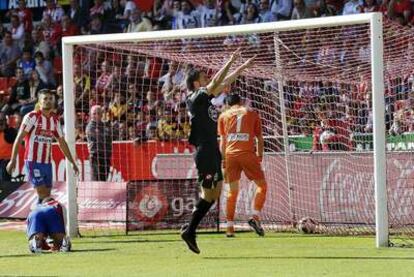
239 122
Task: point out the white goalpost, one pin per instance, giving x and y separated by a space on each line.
377 75
69 115
127 44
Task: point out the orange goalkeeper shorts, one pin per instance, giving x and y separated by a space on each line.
247 162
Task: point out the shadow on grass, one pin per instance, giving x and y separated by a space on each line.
93 250
10 275
19 255
131 234
170 232
51 253
307 258
131 241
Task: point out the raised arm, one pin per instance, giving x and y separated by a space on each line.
230 78
215 84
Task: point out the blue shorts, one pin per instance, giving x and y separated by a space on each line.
39 174
45 220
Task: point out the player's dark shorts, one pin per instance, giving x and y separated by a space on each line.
39 173
208 163
44 220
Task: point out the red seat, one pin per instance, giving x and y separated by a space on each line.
12 121
11 82
4 83
57 64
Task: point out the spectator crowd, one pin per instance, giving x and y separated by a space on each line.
31 54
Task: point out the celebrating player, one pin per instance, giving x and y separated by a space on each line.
47 219
204 137
38 129
238 127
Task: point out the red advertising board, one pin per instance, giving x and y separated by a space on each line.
330 187
129 161
160 204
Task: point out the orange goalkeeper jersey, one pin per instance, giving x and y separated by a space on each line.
239 125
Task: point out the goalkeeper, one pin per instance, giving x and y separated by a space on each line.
238 128
204 137
47 220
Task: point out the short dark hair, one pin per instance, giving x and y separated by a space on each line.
192 76
46 91
232 99
39 54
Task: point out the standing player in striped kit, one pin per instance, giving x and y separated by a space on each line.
39 128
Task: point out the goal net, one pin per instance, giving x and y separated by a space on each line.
312 84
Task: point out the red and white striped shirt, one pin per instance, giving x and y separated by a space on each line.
41 131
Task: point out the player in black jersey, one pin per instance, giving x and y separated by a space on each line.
204 137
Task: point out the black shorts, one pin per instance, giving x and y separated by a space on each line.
208 163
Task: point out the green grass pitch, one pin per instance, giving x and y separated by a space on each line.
164 254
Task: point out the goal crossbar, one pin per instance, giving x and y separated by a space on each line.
225 30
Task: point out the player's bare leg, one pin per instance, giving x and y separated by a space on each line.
61 242
212 194
231 207
259 201
43 192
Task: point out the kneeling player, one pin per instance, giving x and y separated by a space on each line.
47 220
238 127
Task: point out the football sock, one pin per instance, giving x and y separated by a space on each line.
231 204
260 197
201 209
